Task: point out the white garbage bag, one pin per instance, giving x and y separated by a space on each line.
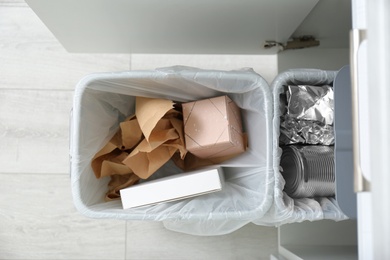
103 100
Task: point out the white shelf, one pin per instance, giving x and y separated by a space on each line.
319 240
319 252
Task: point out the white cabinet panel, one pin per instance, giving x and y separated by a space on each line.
172 26
378 38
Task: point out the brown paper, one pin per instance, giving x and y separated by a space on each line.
108 148
190 162
148 157
162 132
131 133
144 164
114 165
119 182
163 136
179 143
108 161
149 111
110 164
144 142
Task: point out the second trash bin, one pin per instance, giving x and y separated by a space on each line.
286 209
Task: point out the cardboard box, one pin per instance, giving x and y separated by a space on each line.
175 187
213 128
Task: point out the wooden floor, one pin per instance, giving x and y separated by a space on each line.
37 216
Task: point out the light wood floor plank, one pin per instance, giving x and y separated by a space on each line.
15 3
150 240
53 69
34 131
31 57
38 221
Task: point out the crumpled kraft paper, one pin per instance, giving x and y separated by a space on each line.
149 111
143 143
131 133
119 182
108 160
163 134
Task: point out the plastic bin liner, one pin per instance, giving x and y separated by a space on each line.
102 100
284 208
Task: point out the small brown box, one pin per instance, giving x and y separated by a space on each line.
213 128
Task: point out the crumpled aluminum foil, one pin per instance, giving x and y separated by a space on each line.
308 115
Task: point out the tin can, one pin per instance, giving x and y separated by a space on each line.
309 171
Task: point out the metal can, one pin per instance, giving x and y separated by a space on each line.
309 171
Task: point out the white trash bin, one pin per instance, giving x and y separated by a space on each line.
103 100
286 209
